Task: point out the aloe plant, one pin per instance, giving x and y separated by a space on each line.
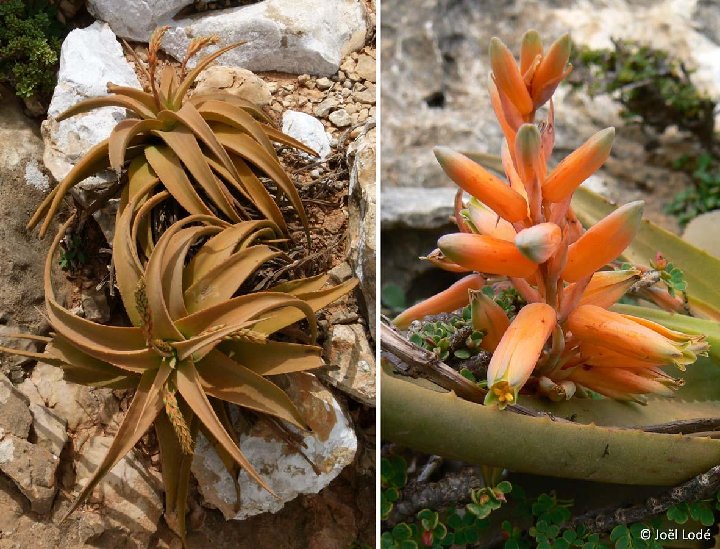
206 150
572 335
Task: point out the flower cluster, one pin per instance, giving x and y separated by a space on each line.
523 227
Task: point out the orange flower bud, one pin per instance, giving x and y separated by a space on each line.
517 354
508 78
578 166
607 287
476 180
530 48
486 221
603 242
447 301
488 317
633 337
551 71
486 254
539 242
437 258
622 384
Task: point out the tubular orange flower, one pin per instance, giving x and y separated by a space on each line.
488 317
622 384
486 254
518 352
508 78
607 287
486 221
552 70
530 49
476 180
437 258
578 166
633 337
447 301
603 242
539 242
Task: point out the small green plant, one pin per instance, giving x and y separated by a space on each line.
451 338
30 39
653 86
393 476
72 254
704 194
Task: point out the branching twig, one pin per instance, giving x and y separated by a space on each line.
603 520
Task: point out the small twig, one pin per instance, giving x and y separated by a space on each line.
683 426
452 489
603 520
432 465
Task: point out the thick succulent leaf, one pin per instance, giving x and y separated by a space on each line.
232 116
223 378
123 347
315 300
169 169
240 310
94 161
128 269
235 100
175 467
191 119
245 146
224 280
682 323
274 357
252 188
168 84
184 144
123 134
302 285
134 93
173 263
188 384
83 369
123 101
441 423
284 139
698 266
144 408
220 247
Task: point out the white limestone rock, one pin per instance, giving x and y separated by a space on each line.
89 59
330 448
308 130
295 36
135 19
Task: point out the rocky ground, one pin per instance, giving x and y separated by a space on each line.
435 67
53 433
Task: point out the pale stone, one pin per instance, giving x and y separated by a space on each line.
135 19
308 130
351 362
15 417
295 36
330 447
50 429
32 468
236 81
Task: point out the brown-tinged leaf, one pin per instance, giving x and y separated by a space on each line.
274 357
123 101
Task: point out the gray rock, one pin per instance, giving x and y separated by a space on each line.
340 118
308 130
703 232
80 406
365 67
362 215
330 447
130 494
235 81
32 468
135 19
299 37
326 106
416 208
89 59
15 417
352 362
50 429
